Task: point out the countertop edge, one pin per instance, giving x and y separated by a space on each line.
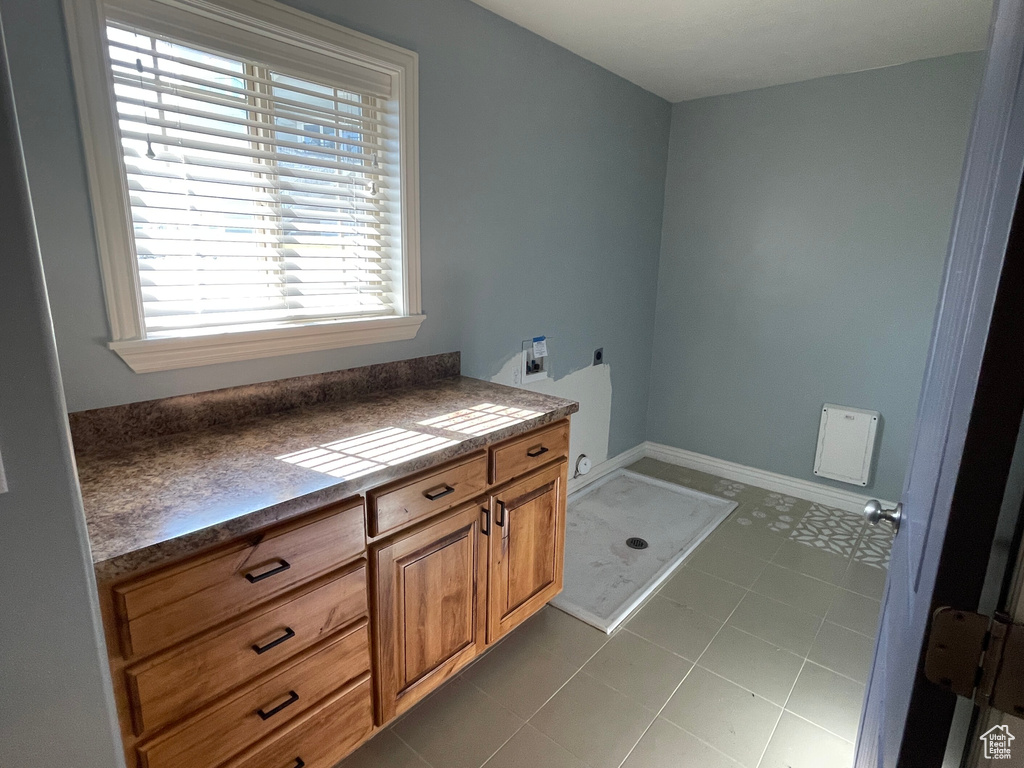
163 553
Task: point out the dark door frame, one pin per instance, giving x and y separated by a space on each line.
969 414
978 494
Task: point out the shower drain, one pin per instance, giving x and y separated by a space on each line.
635 542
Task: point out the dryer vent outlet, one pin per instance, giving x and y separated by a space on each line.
582 465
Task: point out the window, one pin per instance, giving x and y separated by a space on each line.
253 176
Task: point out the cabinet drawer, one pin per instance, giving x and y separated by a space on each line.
426 494
519 456
321 739
171 605
226 729
174 684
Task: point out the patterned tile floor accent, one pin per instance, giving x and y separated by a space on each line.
834 530
754 654
874 546
831 529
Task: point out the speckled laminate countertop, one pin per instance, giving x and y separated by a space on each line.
160 498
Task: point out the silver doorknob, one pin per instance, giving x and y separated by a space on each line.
874 514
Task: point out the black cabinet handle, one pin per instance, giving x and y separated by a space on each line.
537 450
266 715
289 633
284 566
485 528
502 514
434 494
299 763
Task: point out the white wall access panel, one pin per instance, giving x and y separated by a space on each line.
846 444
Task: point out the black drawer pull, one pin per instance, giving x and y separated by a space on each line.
284 566
289 633
434 494
299 763
537 450
266 715
502 514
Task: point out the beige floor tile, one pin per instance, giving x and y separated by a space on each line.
865 580
724 712
520 674
668 746
855 612
727 717
563 635
639 669
755 664
384 749
716 558
778 623
674 627
827 699
844 651
799 744
796 589
749 540
457 727
749 495
704 593
594 722
757 514
531 748
812 561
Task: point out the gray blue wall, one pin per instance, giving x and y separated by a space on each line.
56 705
804 237
804 232
542 178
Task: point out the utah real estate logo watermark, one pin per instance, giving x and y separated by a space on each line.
997 742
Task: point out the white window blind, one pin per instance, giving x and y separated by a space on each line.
258 198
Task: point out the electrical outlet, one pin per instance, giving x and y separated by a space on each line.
599 356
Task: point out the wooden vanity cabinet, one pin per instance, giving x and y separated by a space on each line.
526 548
244 647
289 646
451 586
430 609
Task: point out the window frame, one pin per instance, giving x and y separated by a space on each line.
279 25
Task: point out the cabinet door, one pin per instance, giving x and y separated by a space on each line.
527 548
430 608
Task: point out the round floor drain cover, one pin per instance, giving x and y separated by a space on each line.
636 542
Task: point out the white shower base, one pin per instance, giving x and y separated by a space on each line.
604 579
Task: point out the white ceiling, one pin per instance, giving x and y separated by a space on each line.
687 49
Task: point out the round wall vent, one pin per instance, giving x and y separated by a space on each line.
635 542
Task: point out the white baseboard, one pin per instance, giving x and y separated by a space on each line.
791 486
598 471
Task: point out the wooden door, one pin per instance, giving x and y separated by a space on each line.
429 607
968 416
527 548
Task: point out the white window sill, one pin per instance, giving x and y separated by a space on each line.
165 354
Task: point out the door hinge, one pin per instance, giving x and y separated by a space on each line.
977 657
